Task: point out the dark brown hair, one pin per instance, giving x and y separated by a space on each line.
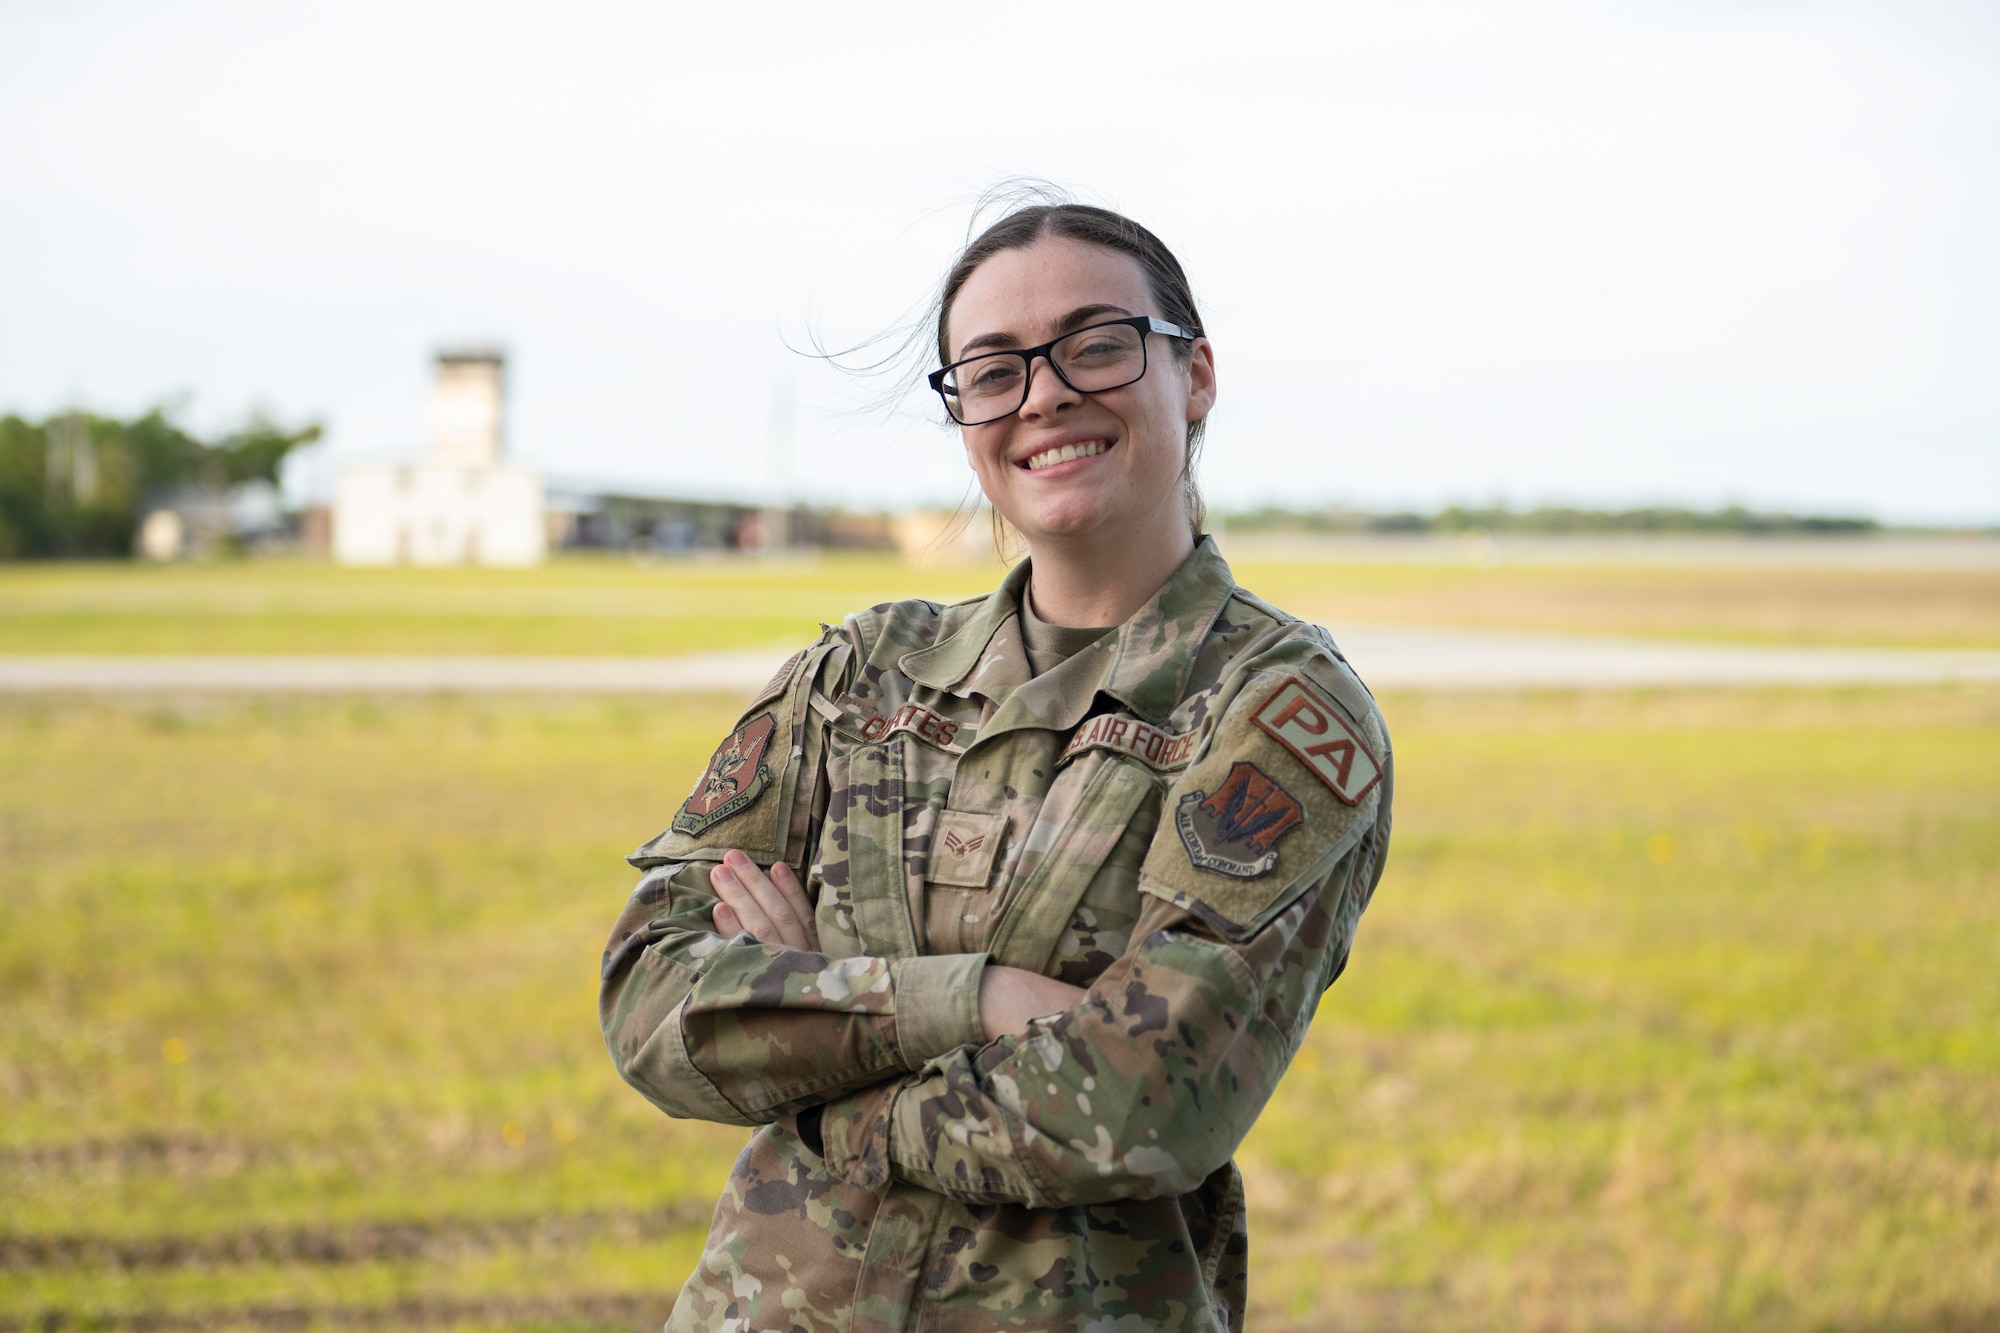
1114 231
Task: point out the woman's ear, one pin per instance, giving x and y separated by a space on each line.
1201 380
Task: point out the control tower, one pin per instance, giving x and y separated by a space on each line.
464 504
468 406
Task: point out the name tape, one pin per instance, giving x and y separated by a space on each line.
927 726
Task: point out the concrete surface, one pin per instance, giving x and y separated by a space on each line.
1387 656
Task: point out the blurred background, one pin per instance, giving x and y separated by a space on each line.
413 448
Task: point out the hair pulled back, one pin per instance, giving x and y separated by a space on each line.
1114 231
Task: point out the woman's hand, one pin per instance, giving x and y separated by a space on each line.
772 907
1011 997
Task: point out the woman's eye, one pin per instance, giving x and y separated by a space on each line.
1100 346
993 375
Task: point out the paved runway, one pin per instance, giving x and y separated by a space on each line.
1388 657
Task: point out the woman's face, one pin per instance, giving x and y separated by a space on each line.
1131 442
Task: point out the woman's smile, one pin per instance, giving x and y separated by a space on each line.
1058 452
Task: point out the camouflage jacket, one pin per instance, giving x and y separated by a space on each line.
1186 817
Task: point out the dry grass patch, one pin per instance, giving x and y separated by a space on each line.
1676 1011
1891 608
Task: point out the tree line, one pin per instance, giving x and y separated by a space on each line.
78 485
1555 521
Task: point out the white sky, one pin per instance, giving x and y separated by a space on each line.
1617 252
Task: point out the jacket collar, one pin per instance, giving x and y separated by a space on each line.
1144 664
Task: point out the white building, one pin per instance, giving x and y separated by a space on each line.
465 505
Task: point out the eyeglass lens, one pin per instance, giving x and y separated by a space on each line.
1089 360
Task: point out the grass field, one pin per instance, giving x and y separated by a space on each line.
1677 1011
612 606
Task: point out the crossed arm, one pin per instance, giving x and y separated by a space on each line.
773 907
1139 1086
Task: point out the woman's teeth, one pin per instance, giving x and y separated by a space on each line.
1064 454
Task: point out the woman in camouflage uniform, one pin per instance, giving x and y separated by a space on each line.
1002 919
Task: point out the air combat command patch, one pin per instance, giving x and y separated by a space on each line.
735 777
1234 831
1320 738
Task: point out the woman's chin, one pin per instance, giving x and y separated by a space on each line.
1068 523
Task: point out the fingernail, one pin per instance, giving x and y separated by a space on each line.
721 872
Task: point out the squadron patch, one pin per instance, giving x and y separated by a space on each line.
1234 831
1315 732
735 777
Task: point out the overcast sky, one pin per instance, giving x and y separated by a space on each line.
1603 253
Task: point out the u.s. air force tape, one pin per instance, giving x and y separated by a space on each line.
1162 751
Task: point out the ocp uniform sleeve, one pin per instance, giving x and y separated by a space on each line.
1150 1083
741 1032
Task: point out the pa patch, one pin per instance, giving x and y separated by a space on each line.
1320 738
735 777
1235 830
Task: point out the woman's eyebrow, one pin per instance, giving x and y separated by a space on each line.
1087 314
1075 319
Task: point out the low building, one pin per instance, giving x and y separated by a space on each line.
586 517
464 505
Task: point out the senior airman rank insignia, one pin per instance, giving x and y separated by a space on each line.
735 777
1235 831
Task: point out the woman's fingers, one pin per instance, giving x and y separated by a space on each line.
742 904
788 884
776 913
726 920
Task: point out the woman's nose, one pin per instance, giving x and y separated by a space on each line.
1047 391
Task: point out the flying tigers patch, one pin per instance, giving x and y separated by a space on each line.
1318 736
736 776
1234 831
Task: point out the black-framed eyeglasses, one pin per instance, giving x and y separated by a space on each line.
1103 356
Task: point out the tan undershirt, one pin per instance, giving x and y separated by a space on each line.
1049 646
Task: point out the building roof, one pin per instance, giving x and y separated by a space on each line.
471 353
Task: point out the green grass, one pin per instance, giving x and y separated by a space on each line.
612 606
1675 1011
573 606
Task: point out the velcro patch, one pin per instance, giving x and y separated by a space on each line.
1234 830
780 680
736 776
1298 718
962 848
1161 751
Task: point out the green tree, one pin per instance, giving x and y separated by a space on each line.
77 484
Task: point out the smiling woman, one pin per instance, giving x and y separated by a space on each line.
1003 919
1013 285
